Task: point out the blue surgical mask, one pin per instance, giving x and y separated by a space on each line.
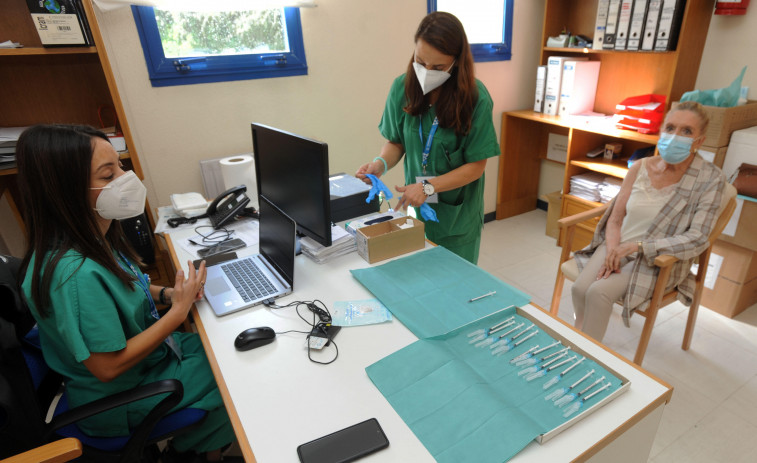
674 149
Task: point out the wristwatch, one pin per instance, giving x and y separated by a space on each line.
428 188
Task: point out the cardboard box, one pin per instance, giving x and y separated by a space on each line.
386 239
554 204
746 229
735 279
714 155
723 121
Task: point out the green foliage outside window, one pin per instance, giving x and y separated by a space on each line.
226 33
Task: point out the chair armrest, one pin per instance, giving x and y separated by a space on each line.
574 219
139 435
54 452
665 260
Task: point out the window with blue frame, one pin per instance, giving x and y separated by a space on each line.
488 25
183 48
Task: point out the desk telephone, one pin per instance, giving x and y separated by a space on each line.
223 209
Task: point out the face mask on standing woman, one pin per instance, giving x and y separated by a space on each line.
432 79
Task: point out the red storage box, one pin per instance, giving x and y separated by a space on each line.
642 113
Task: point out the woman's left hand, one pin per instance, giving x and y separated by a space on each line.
411 195
612 260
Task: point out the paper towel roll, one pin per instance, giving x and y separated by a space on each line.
240 170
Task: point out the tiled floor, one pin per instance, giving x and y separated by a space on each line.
713 414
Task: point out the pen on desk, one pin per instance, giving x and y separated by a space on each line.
491 293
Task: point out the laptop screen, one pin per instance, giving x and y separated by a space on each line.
277 239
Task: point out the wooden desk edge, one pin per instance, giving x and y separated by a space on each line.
236 423
662 399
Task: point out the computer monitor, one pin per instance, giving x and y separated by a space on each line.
293 173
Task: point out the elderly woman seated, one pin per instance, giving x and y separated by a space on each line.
667 205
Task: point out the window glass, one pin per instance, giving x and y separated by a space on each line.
488 25
185 47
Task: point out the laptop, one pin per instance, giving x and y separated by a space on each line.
248 281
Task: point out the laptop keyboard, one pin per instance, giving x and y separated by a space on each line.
248 280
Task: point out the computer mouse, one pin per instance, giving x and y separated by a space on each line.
254 337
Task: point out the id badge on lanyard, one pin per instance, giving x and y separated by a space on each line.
143 281
426 151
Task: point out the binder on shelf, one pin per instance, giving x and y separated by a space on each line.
579 87
624 21
541 83
58 23
636 29
650 25
599 24
554 82
669 25
613 11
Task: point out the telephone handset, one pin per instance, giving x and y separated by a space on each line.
227 205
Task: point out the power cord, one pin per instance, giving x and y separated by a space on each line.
322 324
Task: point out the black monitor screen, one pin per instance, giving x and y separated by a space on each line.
293 173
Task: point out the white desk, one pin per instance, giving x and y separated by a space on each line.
277 399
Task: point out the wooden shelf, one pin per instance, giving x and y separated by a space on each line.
591 51
11 171
616 168
622 74
47 51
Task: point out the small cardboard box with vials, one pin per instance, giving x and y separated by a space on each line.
390 238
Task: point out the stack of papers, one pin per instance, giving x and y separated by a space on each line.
341 243
586 186
8 139
609 188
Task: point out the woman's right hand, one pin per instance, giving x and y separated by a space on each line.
376 168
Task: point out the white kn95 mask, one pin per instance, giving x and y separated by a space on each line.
123 198
432 79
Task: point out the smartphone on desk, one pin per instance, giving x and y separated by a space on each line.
225 246
345 445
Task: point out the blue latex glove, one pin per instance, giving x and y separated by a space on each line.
377 186
428 213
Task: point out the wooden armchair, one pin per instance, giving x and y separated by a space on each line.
55 452
569 269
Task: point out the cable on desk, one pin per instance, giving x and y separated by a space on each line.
318 309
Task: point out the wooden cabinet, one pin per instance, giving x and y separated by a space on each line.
54 85
622 74
57 85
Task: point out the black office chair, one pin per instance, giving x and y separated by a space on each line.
28 388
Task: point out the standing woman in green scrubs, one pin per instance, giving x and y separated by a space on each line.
95 309
438 116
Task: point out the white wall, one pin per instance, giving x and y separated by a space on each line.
728 49
354 50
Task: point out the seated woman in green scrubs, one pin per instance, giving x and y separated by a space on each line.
439 117
94 307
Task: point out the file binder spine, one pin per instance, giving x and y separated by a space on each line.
554 81
636 30
541 82
624 21
599 24
670 23
613 11
650 25
579 87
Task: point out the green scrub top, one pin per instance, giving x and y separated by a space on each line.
91 310
460 211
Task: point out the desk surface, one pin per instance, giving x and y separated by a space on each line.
278 399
